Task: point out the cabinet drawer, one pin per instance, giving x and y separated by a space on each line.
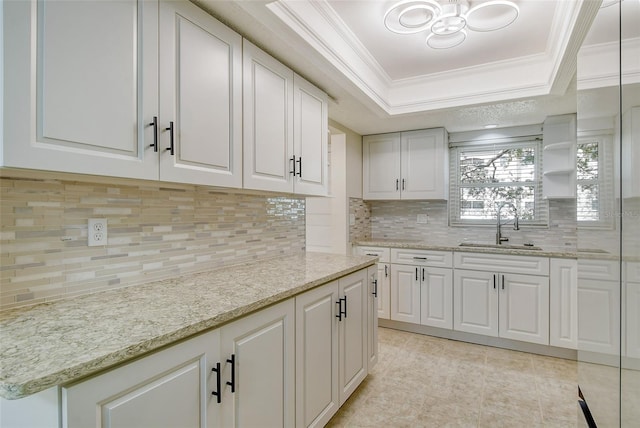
633 272
607 270
421 257
381 252
502 263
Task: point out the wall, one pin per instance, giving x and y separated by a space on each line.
353 153
156 230
397 220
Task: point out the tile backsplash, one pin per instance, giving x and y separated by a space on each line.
398 220
155 230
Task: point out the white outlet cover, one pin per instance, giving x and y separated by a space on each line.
97 232
422 219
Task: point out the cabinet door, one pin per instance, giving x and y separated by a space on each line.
598 316
267 121
424 164
311 133
201 97
405 293
317 397
263 369
384 291
372 317
381 166
167 389
475 307
82 86
632 320
353 333
524 308
436 297
563 303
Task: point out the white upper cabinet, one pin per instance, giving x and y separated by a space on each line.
268 121
200 98
406 165
424 164
97 91
310 139
285 128
81 79
381 166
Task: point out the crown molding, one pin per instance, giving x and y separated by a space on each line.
600 65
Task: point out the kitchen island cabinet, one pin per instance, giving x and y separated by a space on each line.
175 334
333 328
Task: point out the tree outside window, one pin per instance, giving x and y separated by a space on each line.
488 175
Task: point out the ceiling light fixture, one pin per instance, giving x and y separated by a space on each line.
448 21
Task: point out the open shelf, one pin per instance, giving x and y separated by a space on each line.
559 172
559 146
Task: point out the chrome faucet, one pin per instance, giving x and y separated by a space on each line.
499 238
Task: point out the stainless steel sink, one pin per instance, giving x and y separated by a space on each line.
504 246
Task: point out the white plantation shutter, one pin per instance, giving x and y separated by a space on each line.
594 181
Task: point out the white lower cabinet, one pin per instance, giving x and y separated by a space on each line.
632 315
510 306
383 295
249 364
502 295
436 297
166 389
372 317
421 288
331 346
260 368
563 303
598 306
383 300
352 332
405 293
317 397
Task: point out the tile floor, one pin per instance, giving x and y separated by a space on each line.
423 381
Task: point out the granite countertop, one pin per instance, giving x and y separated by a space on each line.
489 248
55 343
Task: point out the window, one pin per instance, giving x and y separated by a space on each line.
485 175
593 185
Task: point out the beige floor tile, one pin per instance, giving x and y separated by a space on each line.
423 381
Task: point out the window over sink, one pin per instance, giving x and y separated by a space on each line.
486 173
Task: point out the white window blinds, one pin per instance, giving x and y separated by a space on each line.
484 175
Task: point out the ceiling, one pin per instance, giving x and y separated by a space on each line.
380 81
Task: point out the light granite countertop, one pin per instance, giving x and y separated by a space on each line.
488 249
55 343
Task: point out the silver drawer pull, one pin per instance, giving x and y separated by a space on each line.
419 258
369 254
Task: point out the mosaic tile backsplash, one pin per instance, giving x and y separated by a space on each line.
398 220
155 231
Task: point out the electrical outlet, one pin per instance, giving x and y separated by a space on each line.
352 219
97 232
422 219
